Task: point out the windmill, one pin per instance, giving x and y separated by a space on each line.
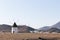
14 28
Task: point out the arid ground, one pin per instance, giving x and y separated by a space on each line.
24 36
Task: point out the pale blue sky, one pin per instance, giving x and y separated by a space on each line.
34 13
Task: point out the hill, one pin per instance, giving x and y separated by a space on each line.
53 28
21 28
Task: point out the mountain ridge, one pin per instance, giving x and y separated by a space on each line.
21 28
53 28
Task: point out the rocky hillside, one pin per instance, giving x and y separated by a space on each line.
21 28
53 28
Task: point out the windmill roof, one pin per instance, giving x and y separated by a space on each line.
14 25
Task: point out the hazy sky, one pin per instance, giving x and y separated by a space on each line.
35 13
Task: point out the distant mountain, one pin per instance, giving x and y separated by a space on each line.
24 28
44 29
5 28
21 28
57 25
53 28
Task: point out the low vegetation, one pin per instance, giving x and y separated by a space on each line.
29 36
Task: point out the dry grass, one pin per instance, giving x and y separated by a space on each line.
20 36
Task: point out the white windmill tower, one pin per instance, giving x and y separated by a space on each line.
14 28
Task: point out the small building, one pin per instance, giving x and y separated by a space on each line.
14 28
